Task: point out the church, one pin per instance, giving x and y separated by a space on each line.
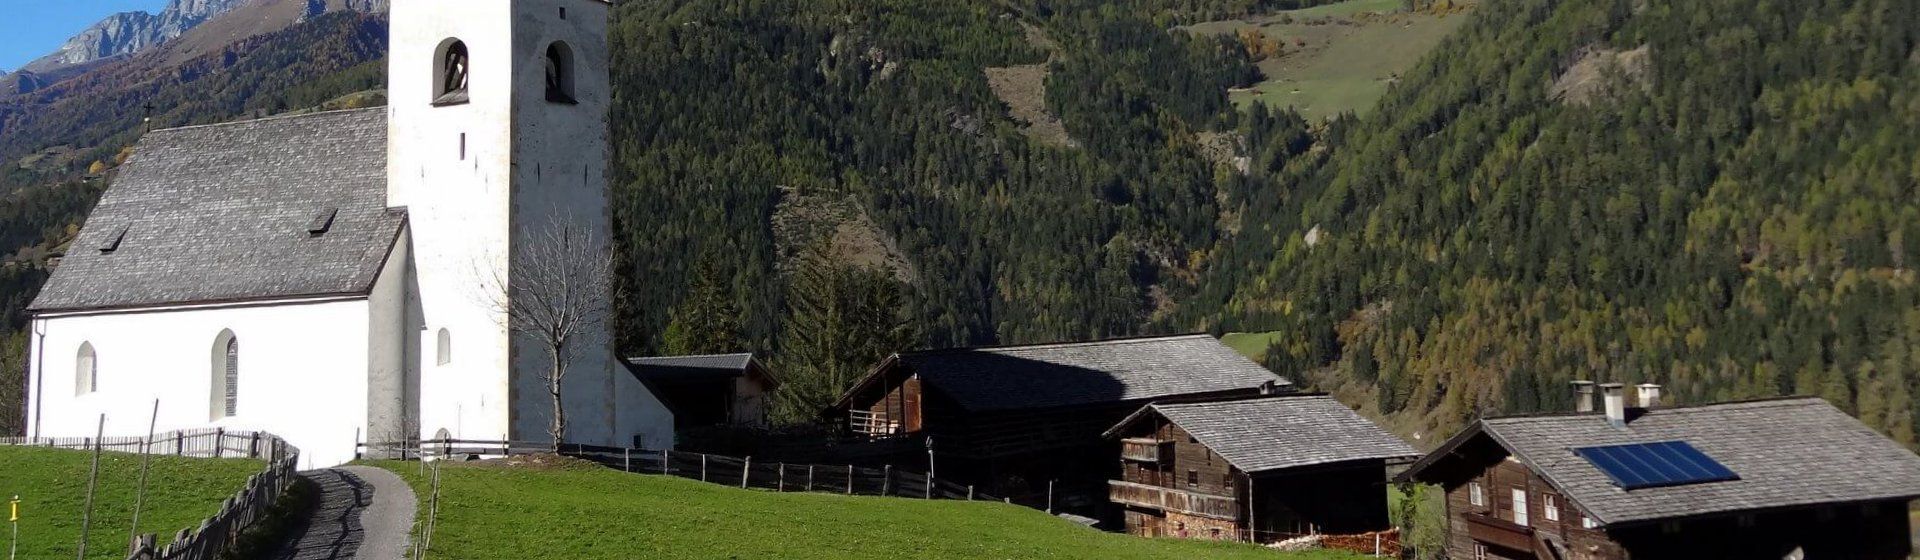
354 276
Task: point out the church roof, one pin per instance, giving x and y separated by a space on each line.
263 209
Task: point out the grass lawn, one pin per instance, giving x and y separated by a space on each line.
52 485
1338 57
1251 345
589 512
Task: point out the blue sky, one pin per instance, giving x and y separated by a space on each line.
32 28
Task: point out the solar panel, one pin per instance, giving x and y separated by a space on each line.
1652 465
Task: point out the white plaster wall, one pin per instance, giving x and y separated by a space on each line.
302 373
457 206
392 351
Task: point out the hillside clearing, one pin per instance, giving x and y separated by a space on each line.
1251 345
487 511
1024 90
52 485
1338 57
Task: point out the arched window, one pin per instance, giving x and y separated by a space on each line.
86 370
225 396
451 65
560 74
443 348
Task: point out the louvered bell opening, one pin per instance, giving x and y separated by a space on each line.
112 242
322 222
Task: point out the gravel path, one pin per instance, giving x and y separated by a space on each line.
361 513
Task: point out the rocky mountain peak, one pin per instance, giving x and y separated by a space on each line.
131 32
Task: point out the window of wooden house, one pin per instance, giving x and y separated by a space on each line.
1550 507
1476 495
1587 522
1520 506
1226 481
1193 478
1479 551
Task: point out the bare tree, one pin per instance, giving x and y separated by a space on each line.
559 289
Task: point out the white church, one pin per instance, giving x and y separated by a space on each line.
338 277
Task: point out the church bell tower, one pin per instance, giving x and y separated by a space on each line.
498 140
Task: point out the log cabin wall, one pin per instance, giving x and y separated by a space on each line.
1498 524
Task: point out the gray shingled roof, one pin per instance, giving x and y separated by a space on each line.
685 368
221 213
1788 452
1282 432
1055 375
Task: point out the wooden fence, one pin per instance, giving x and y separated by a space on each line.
215 535
742 472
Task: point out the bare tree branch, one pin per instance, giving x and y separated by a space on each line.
558 289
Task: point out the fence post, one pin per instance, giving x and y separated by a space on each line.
886 480
929 494
253 447
219 441
849 480
746 468
783 478
969 492
179 443
703 467
1049 497
626 459
666 464
809 478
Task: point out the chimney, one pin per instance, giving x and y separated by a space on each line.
1649 395
1616 396
1583 396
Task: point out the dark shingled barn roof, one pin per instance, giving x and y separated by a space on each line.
1791 452
224 212
690 368
1058 375
1281 432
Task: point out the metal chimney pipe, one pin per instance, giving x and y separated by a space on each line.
1616 396
1649 395
1583 396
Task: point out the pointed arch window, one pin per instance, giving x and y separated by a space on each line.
560 75
225 396
86 370
443 347
451 64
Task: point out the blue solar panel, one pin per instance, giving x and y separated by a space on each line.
1652 465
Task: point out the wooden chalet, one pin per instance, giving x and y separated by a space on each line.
709 390
1780 478
1258 469
1026 422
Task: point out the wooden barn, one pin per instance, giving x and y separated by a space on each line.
1026 422
1779 478
1259 469
709 390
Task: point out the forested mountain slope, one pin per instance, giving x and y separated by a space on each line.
1718 195
731 114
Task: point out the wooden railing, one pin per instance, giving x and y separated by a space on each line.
741 472
1145 450
1169 499
867 423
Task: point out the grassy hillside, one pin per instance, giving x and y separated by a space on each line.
588 512
52 486
1336 58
